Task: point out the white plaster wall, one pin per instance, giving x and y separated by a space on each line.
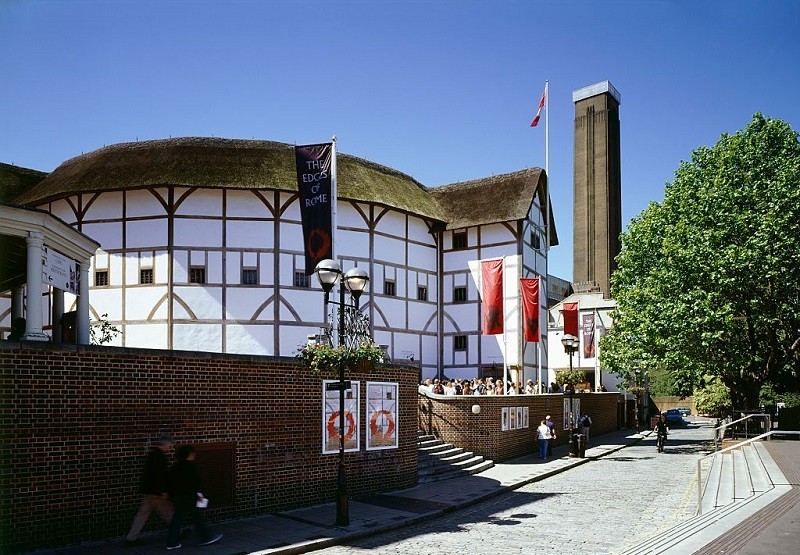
142 202
242 303
204 302
266 268
248 339
145 233
419 232
106 206
245 204
393 310
352 244
131 268
214 267
421 256
291 237
464 314
393 223
161 267
63 210
307 303
190 232
115 265
150 335
141 301
109 235
200 202
419 314
104 300
193 337
180 266
243 234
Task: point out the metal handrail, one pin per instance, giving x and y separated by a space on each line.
732 447
719 431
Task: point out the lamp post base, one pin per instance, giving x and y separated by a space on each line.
342 508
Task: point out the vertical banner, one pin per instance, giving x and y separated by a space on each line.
382 415
314 174
330 416
587 327
529 288
571 318
492 284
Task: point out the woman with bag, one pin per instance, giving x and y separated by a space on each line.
186 491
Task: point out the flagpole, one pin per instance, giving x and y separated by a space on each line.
334 197
505 343
547 230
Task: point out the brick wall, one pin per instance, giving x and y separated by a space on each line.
451 419
76 424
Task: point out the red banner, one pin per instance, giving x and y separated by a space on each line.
492 278
529 287
571 318
587 326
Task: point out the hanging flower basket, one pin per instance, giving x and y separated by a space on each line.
323 358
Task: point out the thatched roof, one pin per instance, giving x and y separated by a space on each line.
15 180
500 198
252 164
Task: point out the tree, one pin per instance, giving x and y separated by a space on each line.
102 331
708 281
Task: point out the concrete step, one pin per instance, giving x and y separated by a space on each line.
447 454
712 474
440 461
742 484
758 472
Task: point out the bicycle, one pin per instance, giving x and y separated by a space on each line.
661 439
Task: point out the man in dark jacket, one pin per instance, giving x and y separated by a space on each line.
155 496
186 490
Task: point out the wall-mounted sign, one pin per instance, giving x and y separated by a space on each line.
59 271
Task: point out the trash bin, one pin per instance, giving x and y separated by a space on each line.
581 439
577 448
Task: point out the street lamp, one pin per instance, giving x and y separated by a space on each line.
329 272
571 344
637 372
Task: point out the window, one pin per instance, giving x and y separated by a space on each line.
536 243
388 288
301 279
460 240
460 295
460 342
146 275
422 293
197 275
101 278
249 276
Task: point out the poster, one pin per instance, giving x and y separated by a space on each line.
382 415
330 417
512 418
504 419
520 424
576 410
525 417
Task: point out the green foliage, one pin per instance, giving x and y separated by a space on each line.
708 281
102 332
791 400
662 383
326 358
713 399
574 377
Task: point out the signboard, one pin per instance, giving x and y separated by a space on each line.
330 417
382 415
59 271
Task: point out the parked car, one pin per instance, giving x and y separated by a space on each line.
674 417
684 411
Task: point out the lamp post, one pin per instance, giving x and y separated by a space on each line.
636 373
571 344
329 272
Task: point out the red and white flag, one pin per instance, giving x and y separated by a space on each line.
570 318
535 121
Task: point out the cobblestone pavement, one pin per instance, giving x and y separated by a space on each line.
603 507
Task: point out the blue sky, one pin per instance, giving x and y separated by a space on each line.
443 91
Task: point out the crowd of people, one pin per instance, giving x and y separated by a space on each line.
173 493
487 386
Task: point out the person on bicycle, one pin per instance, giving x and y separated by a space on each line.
661 431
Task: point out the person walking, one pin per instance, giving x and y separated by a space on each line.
585 421
154 490
186 490
543 437
552 425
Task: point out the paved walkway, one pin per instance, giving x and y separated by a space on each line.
311 528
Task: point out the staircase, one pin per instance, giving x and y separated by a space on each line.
737 483
440 461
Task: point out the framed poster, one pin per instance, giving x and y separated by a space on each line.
382 415
520 424
525 417
512 418
576 410
504 419
330 416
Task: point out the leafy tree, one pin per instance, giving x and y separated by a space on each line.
102 331
712 398
708 281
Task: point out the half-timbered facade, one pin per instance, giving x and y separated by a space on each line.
202 249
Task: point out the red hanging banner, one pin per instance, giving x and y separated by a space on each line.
529 288
571 318
492 278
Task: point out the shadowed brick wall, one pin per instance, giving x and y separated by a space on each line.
76 424
450 418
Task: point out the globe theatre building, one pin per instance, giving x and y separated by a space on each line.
201 249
